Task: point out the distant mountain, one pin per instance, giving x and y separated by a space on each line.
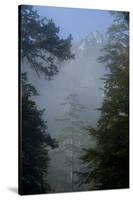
95 37
90 44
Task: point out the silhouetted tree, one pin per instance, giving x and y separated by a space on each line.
41 45
35 144
42 48
107 164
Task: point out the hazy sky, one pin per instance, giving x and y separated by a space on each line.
81 75
76 21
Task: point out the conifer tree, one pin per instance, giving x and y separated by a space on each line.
107 164
42 49
36 143
71 138
41 45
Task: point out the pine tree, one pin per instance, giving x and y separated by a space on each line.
42 49
35 144
40 43
108 162
71 139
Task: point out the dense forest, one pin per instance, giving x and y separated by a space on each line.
74 106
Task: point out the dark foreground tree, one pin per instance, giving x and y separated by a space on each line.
42 49
41 45
35 144
107 164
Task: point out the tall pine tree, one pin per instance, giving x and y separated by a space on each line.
42 49
107 164
35 144
71 139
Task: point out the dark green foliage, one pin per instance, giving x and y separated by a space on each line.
41 48
107 164
35 144
41 45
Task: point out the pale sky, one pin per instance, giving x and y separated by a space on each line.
76 21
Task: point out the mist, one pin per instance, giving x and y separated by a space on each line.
72 97
79 76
